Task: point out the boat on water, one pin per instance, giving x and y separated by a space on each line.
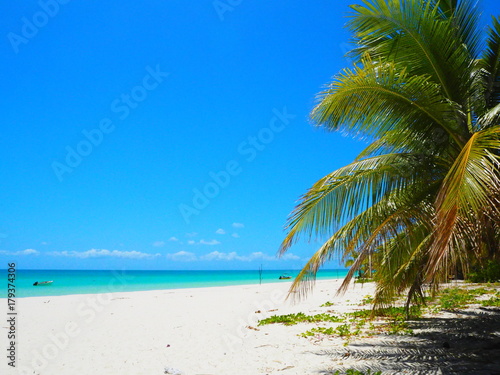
284 277
42 283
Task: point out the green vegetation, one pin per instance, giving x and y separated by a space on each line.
389 320
492 285
356 372
394 317
367 300
399 327
420 202
361 314
400 312
323 330
292 319
388 313
487 274
343 330
454 299
358 327
394 322
493 301
327 304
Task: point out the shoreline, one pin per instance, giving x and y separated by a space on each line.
156 291
131 281
163 290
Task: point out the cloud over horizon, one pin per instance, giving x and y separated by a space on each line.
182 256
21 252
96 253
186 256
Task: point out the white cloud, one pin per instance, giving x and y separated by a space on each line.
173 239
21 252
96 253
44 243
290 256
182 256
261 255
217 255
159 243
238 225
235 235
204 242
27 252
220 231
209 243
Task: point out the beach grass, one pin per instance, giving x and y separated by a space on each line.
492 302
357 372
393 320
292 319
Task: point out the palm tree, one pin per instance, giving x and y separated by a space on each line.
424 196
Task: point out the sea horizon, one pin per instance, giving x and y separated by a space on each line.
67 282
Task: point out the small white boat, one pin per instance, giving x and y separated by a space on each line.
42 283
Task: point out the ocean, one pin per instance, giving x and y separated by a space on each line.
90 281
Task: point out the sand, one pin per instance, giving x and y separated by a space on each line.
188 331
215 331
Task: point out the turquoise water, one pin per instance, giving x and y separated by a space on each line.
85 282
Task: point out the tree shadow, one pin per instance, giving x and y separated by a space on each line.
464 343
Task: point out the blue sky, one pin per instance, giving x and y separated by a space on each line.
165 135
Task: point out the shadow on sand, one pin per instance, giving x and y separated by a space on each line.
466 343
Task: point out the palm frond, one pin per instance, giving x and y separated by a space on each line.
372 229
414 36
376 98
466 191
490 62
348 191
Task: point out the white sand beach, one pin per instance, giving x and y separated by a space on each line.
214 331
194 331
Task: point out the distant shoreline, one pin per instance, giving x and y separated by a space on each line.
76 282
